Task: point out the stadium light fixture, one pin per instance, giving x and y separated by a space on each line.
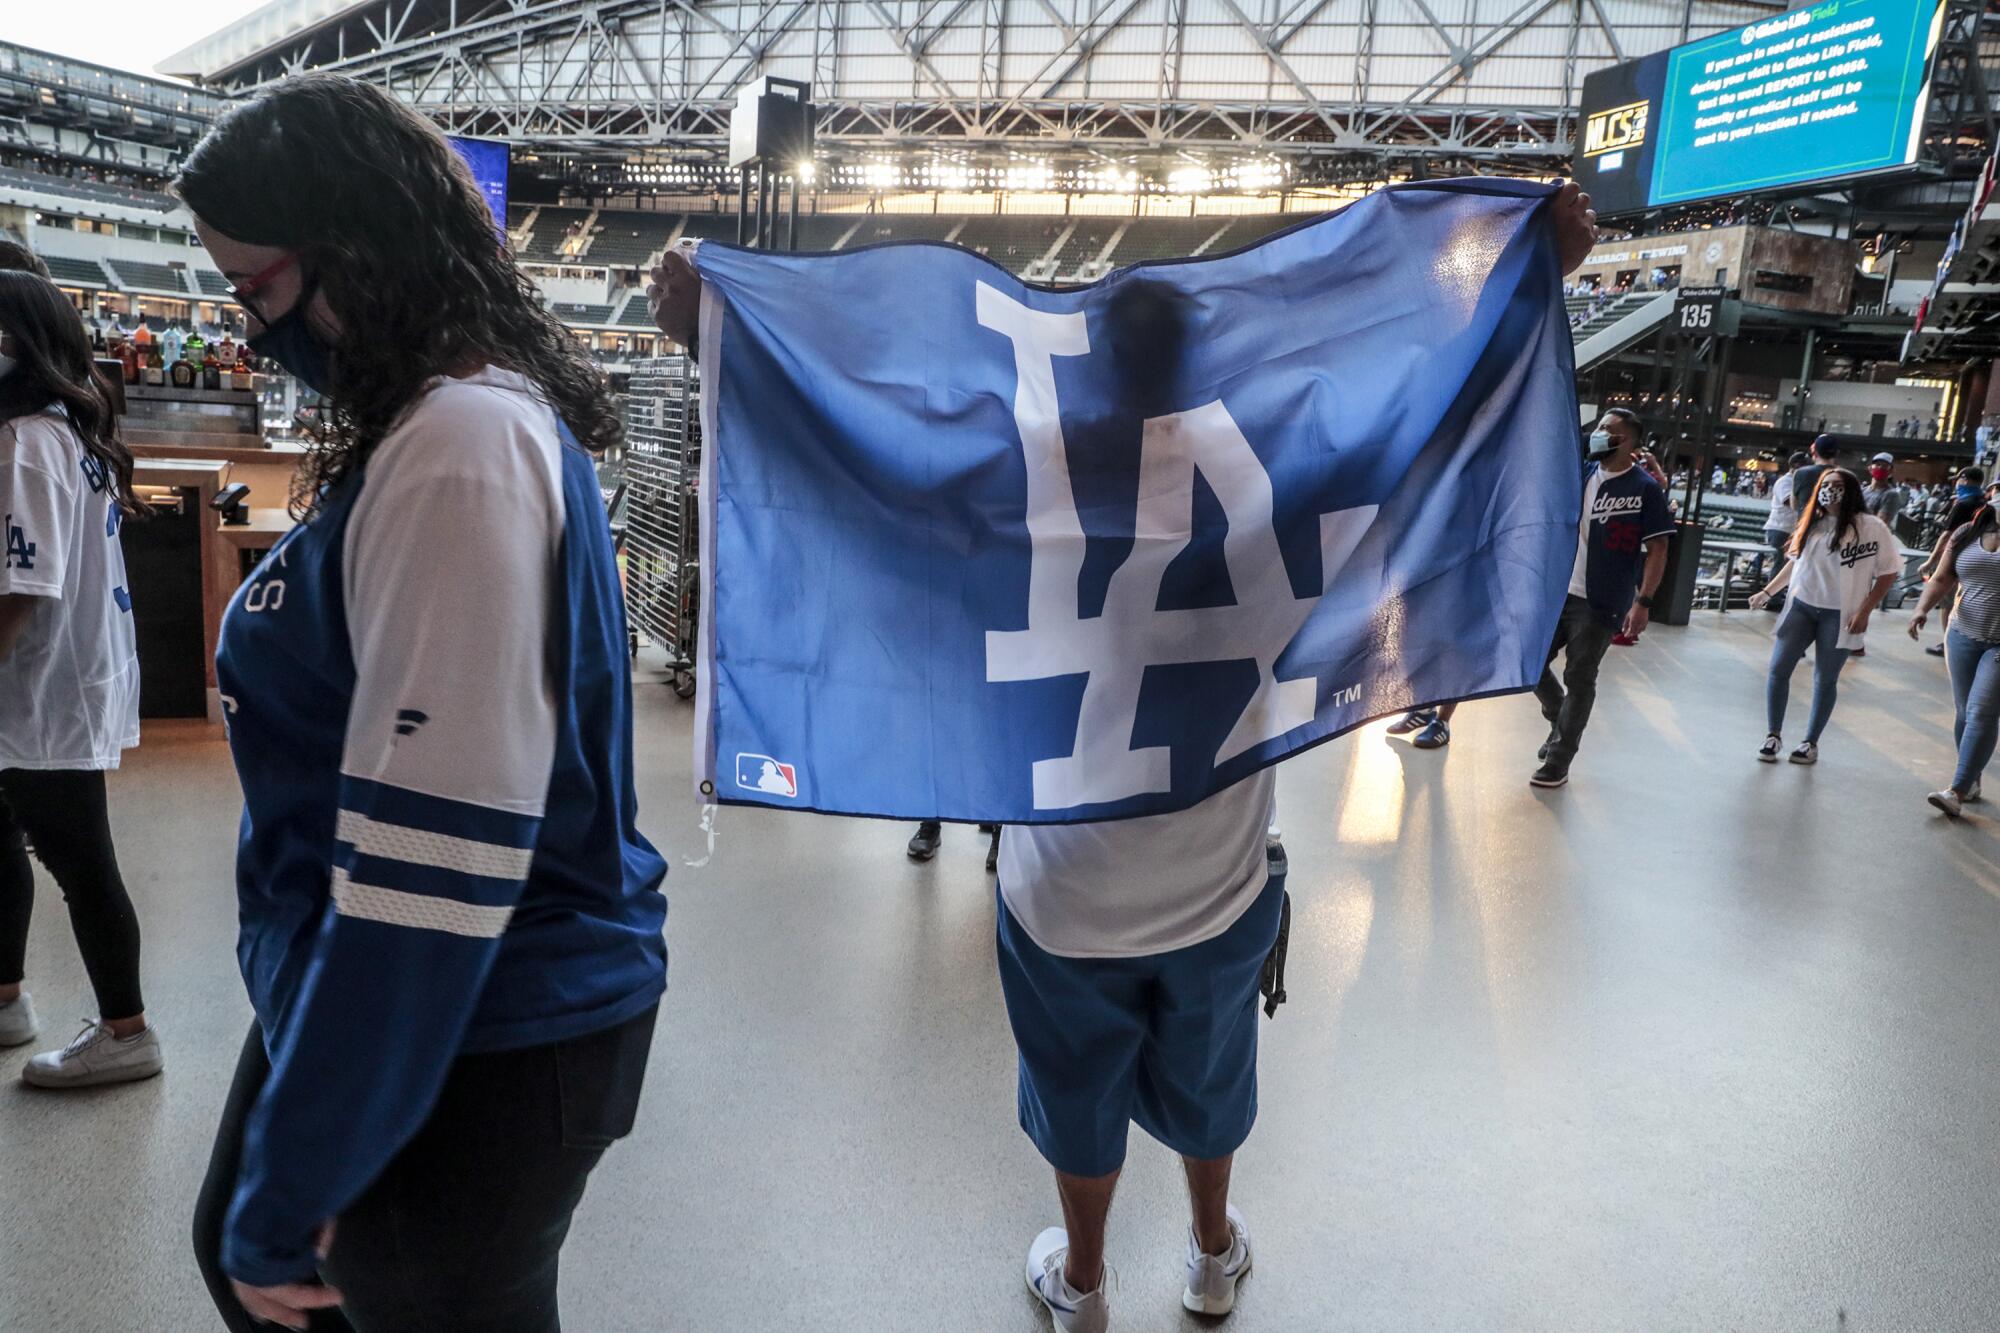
1190 180
806 172
1259 175
879 175
1028 176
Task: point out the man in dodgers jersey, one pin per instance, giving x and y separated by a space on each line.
1625 520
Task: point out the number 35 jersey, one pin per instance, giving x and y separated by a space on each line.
428 698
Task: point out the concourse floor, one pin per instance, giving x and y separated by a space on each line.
1695 1044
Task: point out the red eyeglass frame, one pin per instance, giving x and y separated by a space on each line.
256 282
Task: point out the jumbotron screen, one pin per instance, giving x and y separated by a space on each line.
1817 94
488 160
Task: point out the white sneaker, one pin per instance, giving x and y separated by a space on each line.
96 1057
1212 1279
17 1021
1947 801
1072 1311
1806 753
1973 795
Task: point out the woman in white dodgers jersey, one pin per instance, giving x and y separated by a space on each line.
69 679
450 923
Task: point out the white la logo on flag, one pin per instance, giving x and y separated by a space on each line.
1113 650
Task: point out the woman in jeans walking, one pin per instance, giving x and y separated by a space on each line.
1971 568
69 680
1843 561
451 925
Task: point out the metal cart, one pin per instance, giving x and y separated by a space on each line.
661 467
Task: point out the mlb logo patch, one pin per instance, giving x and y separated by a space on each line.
760 772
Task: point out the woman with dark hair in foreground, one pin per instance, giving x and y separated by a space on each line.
451 925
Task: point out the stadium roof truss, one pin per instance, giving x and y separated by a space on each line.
1322 85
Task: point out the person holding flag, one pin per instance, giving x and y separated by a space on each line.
1131 951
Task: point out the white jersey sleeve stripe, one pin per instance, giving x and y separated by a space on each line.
414 846
419 911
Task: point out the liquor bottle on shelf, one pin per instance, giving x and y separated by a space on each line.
182 374
143 339
195 351
240 369
171 343
156 363
128 357
211 369
227 349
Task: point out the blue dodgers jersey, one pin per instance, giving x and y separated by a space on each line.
1628 511
428 697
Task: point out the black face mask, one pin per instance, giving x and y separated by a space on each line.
291 343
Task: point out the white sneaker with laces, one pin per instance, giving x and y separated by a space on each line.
1806 753
1212 1279
1972 795
1768 751
96 1057
1072 1311
1946 800
17 1021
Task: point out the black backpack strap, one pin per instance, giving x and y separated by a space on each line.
1272 983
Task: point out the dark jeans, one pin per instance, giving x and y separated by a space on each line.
65 815
1582 636
463 1230
1777 539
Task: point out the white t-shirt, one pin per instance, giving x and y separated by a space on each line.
69 690
1839 578
1133 887
1783 518
1579 585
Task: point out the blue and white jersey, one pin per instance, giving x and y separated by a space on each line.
429 706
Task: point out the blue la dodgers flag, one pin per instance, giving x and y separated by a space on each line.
981 550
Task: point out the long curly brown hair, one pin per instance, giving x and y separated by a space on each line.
56 371
387 219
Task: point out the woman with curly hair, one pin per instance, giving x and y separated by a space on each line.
450 923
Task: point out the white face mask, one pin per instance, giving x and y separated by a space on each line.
1829 497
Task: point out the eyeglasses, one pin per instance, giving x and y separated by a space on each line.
257 282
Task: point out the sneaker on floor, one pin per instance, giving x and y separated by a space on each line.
96 1057
1806 753
1552 773
1414 720
1072 1311
1768 751
1973 795
1947 801
17 1021
924 842
1212 1279
1435 736
1935 650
